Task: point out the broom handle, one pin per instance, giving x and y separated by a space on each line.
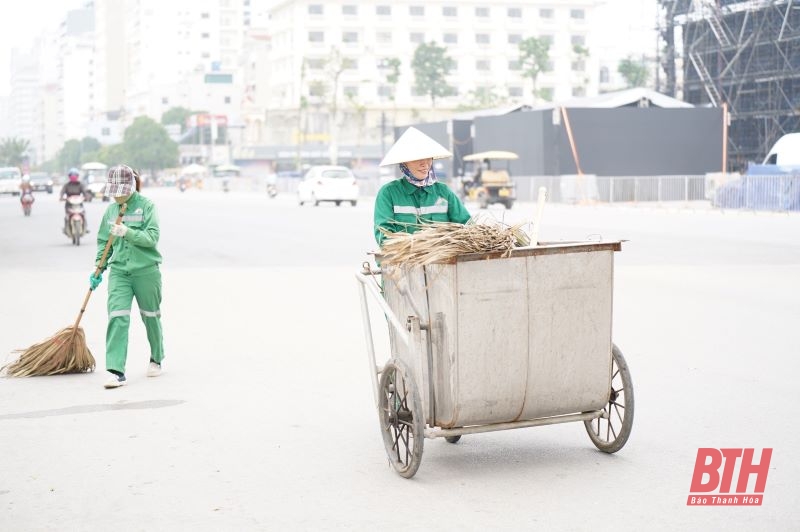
99 268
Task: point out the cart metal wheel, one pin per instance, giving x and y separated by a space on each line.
452 439
610 434
400 412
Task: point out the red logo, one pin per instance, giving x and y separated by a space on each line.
714 475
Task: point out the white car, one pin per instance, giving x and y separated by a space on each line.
328 183
10 180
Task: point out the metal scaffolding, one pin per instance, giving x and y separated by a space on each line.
742 54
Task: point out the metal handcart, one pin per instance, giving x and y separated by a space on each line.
491 341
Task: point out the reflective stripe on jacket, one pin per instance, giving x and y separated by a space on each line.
137 249
399 203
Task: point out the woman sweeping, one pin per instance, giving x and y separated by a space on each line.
417 197
134 272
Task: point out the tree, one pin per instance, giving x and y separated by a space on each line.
112 155
392 76
431 67
635 72
69 155
176 115
335 65
534 56
148 146
13 151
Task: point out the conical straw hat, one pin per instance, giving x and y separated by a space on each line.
413 145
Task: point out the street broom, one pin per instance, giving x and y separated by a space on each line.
66 351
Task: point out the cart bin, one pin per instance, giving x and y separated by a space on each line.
508 338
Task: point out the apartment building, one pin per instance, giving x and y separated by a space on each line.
360 38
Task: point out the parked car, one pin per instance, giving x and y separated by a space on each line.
328 183
41 181
10 180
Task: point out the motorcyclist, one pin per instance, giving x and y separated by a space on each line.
26 189
25 186
73 187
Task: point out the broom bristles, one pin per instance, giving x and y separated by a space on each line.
64 352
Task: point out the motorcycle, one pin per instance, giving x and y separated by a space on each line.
27 202
272 190
76 219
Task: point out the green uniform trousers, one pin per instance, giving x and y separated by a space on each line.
145 285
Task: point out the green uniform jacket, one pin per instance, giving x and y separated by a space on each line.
399 203
137 249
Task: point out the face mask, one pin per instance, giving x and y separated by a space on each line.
122 199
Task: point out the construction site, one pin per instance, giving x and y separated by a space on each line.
742 56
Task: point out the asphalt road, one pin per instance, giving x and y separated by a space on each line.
264 417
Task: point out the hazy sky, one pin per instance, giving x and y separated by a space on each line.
627 24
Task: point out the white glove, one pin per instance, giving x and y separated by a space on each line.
119 230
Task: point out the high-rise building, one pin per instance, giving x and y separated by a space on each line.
330 67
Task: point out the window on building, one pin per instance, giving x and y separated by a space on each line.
514 12
349 10
577 14
547 39
384 91
578 66
165 101
515 92
106 131
385 11
350 91
417 37
203 15
315 9
604 75
416 11
317 89
315 63
204 35
316 36
350 63
514 38
578 92
482 38
450 38
514 64
550 66
482 64
453 64
546 93
227 99
350 37
481 11
450 11
546 12
578 40
383 37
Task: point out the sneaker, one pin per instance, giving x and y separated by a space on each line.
154 369
115 381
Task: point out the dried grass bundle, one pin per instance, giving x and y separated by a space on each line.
441 241
64 352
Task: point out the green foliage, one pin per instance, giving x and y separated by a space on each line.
148 146
635 72
534 54
76 152
112 155
176 115
392 66
431 66
12 151
482 98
